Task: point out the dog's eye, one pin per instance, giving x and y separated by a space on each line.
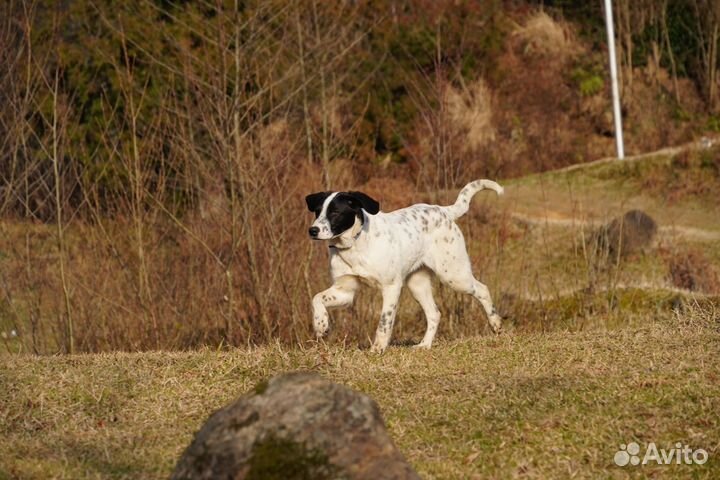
317 212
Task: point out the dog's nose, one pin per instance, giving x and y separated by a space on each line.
314 232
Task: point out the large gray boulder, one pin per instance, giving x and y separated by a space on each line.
296 426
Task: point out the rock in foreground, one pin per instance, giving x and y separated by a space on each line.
296 426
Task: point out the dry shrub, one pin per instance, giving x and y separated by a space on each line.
651 111
625 236
658 81
392 193
341 172
541 123
702 313
211 280
690 269
208 286
691 174
543 36
470 114
451 139
332 116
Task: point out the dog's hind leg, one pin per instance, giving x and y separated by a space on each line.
451 263
340 294
468 284
482 293
420 285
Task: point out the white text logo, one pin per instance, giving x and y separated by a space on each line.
681 454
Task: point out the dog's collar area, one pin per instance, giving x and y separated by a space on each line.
355 237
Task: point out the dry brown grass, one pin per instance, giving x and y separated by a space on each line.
470 113
543 36
532 405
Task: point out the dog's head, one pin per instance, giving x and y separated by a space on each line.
336 212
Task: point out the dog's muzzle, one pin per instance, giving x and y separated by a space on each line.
314 232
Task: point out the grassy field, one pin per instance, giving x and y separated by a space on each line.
554 405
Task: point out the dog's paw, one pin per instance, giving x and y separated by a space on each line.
496 324
377 348
422 346
321 328
321 336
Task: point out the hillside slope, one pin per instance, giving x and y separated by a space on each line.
552 405
679 186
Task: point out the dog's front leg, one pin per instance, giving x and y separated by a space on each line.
340 294
391 296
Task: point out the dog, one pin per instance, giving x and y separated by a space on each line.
390 250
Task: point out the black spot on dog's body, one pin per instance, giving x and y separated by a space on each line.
385 320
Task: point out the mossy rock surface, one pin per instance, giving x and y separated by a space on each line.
295 426
279 458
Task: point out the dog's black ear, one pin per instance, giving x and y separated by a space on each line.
367 203
315 200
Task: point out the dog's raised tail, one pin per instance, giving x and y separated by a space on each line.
462 204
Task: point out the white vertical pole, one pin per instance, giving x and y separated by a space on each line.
617 114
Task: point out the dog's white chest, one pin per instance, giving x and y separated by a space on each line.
387 251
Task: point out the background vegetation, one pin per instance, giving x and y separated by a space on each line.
154 154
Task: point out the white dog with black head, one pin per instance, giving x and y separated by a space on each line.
389 250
